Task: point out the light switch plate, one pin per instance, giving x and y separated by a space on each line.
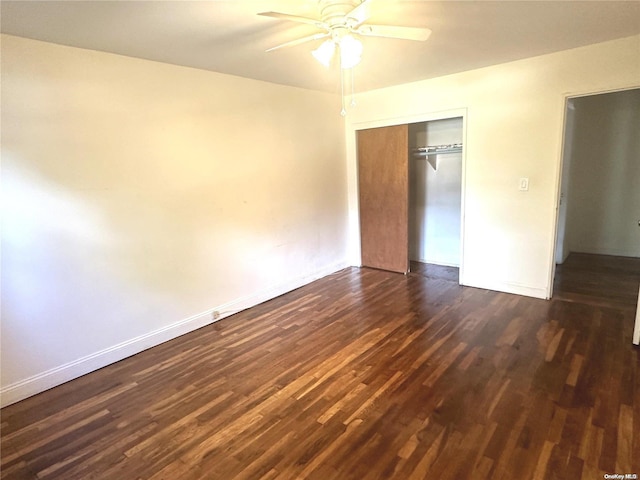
523 184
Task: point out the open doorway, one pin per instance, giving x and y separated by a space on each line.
598 233
435 197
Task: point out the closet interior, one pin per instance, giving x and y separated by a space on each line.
435 191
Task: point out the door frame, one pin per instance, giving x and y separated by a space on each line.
560 168
636 328
352 174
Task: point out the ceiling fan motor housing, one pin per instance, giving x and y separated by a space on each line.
333 13
342 20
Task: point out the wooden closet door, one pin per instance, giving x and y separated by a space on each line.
383 181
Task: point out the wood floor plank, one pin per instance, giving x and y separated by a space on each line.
365 375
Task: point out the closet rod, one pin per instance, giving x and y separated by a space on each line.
437 149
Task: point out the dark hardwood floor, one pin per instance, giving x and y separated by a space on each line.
430 270
598 279
361 375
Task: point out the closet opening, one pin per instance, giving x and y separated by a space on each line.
435 197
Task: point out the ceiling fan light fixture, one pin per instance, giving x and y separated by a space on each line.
350 51
341 21
324 53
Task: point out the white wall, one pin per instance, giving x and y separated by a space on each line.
138 197
604 199
513 129
435 194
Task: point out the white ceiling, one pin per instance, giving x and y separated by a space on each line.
229 36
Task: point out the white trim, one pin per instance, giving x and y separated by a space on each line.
556 199
510 287
600 250
636 328
56 376
590 93
408 119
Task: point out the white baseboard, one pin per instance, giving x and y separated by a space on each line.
599 250
56 376
508 287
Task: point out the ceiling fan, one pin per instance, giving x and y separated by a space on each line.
341 21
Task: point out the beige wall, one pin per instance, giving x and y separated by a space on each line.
138 197
513 122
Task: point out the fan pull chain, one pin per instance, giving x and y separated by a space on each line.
353 89
343 112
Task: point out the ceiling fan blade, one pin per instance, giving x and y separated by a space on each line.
296 18
392 31
359 14
292 43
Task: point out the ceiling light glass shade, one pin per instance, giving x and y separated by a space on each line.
324 53
350 52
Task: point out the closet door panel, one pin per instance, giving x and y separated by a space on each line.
383 182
